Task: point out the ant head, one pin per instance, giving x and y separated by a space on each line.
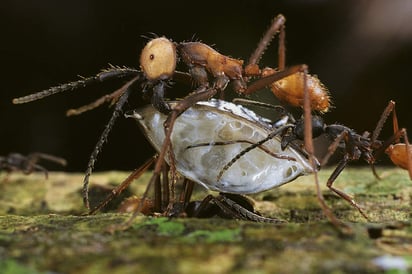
158 59
318 127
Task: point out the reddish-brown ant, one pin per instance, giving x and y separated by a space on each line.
399 153
210 70
28 164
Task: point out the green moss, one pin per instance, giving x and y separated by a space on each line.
45 231
13 267
163 226
224 235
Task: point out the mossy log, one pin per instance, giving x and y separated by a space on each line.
43 229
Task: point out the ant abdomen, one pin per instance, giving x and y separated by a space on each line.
290 90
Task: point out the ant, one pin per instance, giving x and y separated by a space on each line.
355 146
399 153
27 164
209 70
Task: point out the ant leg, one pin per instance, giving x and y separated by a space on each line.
36 167
103 138
165 187
113 97
158 194
235 210
253 146
178 208
110 73
187 193
279 109
342 164
384 116
332 147
119 189
409 154
267 80
230 209
202 207
278 25
34 157
309 147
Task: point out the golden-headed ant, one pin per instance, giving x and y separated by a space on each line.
209 70
27 164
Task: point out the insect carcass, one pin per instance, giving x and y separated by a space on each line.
224 129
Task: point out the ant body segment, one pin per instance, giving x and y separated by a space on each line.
208 69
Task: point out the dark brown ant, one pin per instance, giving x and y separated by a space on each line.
27 164
355 146
208 69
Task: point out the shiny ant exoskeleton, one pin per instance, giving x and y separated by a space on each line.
27 164
208 69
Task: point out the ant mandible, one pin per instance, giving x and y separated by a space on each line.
210 70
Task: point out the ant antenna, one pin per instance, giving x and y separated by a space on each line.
103 138
111 72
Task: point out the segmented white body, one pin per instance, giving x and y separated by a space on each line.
221 121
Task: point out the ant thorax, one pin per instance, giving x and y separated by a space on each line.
210 134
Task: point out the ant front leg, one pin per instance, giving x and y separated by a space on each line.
120 188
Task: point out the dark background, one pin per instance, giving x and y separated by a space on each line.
361 50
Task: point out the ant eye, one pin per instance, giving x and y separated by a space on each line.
163 66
